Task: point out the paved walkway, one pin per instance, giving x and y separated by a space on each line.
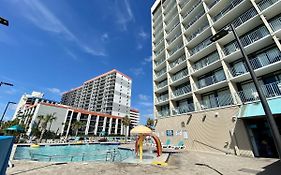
180 164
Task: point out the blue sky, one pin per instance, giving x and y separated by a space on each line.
53 46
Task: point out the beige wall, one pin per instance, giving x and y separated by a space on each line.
218 130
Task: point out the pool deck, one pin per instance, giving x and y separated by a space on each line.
185 163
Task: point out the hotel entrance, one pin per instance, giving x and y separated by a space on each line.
260 136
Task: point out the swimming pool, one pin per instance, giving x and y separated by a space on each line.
73 153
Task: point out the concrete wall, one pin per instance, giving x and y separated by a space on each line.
215 128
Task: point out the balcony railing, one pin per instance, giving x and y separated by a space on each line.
159 61
174 38
227 9
275 23
183 109
161 72
172 28
194 19
184 3
201 46
164 113
244 17
180 75
206 61
197 32
191 9
213 3
264 4
246 39
162 84
159 42
269 90
207 81
162 98
215 102
181 91
178 61
175 49
158 52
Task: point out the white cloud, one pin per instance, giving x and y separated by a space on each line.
137 71
146 104
143 34
104 37
123 14
55 91
44 19
144 97
139 46
147 60
71 54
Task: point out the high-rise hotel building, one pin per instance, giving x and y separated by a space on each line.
203 92
108 93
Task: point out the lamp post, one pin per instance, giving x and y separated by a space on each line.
272 125
6 110
5 83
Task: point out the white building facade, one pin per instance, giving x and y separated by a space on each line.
196 80
135 117
108 93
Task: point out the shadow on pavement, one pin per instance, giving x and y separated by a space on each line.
272 169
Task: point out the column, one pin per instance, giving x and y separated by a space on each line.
104 124
116 125
96 125
88 124
110 123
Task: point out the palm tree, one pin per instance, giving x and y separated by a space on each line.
45 120
40 118
149 123
126 122
76 125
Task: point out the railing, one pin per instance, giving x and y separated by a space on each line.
194 19
227 9
175 49
244 17
162 98
215 102
169 11
183 109
159 42
184 3
206 61
207 81
269 90
213 3
197 32
164 113
174 38
180 75
159 61
246 39
191 9
158 52
161 72
264 4
172 28
275 23
171 20
178 61
181 91
162 84
201 46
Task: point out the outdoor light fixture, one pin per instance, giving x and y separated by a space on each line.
272 125
5 83
5 110
4 21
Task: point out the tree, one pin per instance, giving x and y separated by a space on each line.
76 125
126 122
149 123
45 120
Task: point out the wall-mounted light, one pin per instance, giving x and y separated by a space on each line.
204 117
216 114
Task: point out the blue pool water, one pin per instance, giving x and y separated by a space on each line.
73 153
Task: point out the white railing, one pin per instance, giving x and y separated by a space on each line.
180 75
213 3
227 9
191 9
215 78
201 46
244 17
172 28
197 32
162 84
206 61
178 61
183 109
181 91
275 23
264 4
164 113
194 19
215 102
159 61
162 98
161 72
269 90
174 38
175 49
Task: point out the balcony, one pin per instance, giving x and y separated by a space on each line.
275 23
269 90
172 28
162 84
157 63
159 42
183 109
213 3
159 52
177 61
182 3
264 4
163 113
174 38
197 32
191 9
244 17
216 102
212 79
201 46
160 73
180 75
246 40
227 9
204 62
162 98
194 19
182 90
174 50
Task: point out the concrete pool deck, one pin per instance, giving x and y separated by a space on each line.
184 163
